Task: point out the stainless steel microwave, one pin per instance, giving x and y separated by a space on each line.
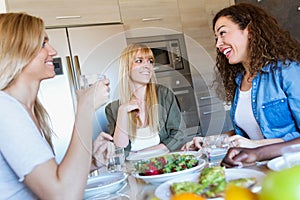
169 52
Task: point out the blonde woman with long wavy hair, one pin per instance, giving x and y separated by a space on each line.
146 116
28 168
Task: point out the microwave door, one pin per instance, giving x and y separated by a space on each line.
162 56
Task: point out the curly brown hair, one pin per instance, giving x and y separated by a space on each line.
268 42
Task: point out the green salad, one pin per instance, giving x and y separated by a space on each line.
165 164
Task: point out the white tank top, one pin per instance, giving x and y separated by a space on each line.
144 139
244 116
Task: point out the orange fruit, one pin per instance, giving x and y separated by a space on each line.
187 196
234 192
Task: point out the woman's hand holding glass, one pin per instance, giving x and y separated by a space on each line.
97 94
103 149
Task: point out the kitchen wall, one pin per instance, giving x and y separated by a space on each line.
2 6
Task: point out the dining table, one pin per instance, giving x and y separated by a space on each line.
138 189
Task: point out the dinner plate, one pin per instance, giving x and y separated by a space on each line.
277 164
106 183
158 179
146 154
163 191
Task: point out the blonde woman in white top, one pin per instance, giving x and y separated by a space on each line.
147 116
28 168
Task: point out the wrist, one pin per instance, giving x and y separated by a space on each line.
96 164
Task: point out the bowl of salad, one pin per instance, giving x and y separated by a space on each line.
162 168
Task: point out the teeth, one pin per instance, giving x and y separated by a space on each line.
226 51
146 73
49 63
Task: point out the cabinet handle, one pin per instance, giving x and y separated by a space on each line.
69 17
210 112
77 71
207 97
70 70
181 92
151 19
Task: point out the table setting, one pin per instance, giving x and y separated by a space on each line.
127 181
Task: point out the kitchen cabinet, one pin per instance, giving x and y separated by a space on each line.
196 19
287 13
140 16
69 12
81 50
214 118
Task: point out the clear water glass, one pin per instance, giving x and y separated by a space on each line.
215 148
291 155
86 80
116 162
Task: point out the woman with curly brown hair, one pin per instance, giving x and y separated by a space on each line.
258 65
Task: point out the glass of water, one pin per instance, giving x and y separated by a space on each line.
215 148
117 161
291 155
86 80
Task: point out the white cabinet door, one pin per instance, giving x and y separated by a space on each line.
97 50
69 12
163 15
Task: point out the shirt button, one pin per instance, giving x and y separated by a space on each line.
263 107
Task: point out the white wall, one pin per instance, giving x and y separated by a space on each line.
2 6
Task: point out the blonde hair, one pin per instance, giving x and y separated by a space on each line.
127 59
21 38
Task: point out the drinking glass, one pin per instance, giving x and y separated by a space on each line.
291 155
86 80
117 161
215 148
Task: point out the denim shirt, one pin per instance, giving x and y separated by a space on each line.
275 101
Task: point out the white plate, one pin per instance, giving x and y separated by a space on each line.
277 164
163 191
157 179
146 154
106 183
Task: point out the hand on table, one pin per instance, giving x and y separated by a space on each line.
193 145
238 156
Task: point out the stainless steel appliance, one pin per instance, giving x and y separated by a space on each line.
85 50
169 52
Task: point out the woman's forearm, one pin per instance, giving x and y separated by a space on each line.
121 137
271 151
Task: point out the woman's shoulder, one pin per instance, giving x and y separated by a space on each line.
9 106
282 65
162 89
7 101
112 104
